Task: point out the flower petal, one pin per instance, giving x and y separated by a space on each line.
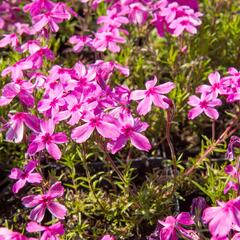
211 112
107 130
57 209
56 190
18 185
140 141
82 133
37 214
54 150
144 106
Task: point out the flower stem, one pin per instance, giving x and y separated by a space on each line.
173 155
227 133
213 130
115 168
85 166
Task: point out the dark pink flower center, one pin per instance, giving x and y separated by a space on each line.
184 22
215 86
83 80
94 122
76 107
54 102
127 130
47 138
108 38
18 116
24 175
203 104
150 91
46 199
19 81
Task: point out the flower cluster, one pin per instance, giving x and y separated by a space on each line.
223 220
174 17
79 103
81 99
227 86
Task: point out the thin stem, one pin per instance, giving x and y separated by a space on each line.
115 168
112 163
227 133
89 178
213 130
173 155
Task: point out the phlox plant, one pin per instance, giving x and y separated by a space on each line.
57 110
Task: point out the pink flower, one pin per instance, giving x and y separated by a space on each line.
234 143
170 11
121 106
231 171
222 218
6 234
138 13
27 175
108 237
230 185
9 39
216 86
84 75
17 69
122 69
104 124
172 225
63 74
45 201
108 40
113 19
204 104
153 94
48 140
16 126
37 57
189 23
22 28
49 232
22 89
51 104
191 3
51 18
130 128
79 42
75 109
39 78
231 85
32 46
37 6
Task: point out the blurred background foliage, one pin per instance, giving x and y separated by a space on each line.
98 200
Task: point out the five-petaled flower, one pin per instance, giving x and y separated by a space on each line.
173 225
222 218
104 124
131 129
47 139
41 202
49 232
206 104
153 94
24 176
